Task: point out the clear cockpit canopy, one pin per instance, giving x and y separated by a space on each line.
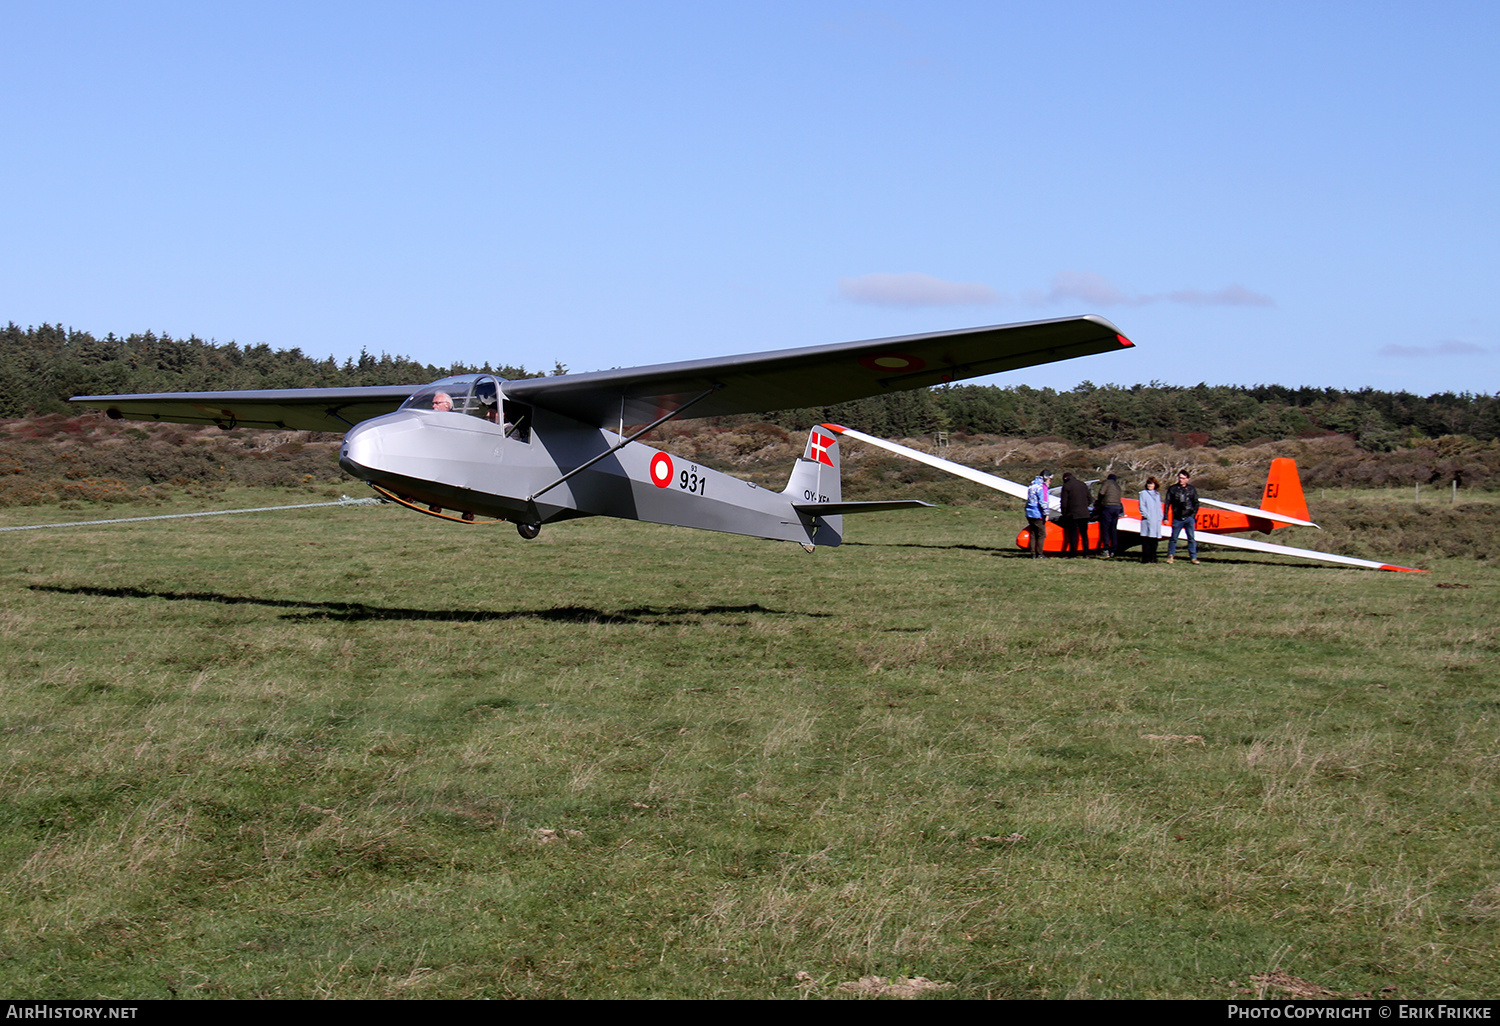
477 395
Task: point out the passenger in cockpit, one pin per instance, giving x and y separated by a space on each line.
489 400
442 401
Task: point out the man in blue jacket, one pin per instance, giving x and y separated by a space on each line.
1038 499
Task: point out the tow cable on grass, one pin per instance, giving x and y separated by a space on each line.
343 501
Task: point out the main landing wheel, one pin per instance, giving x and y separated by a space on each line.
528 531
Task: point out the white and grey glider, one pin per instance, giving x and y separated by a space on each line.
1128 524
541 450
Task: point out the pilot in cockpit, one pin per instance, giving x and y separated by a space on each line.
442 401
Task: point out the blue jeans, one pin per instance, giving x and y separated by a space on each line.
1178 525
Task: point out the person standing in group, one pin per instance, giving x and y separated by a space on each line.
1109 506
1075 516
1150 502
1038 499
1182 499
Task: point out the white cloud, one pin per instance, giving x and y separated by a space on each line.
1097 290
1447 348
1231 295
1085 287
915 289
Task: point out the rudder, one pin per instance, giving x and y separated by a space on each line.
815 478
1283 492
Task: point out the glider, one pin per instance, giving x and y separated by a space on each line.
542 450
1282 505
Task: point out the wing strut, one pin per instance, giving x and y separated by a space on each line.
658 422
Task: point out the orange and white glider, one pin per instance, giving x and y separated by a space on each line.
1282 505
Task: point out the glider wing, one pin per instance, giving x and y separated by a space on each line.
299 409
1236 542
815 376
1000 484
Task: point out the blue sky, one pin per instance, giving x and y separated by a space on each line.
1256 192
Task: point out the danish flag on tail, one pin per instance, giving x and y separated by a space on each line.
815 477
818 446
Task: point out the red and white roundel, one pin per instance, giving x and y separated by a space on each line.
661 470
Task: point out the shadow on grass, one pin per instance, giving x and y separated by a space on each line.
1129 556
357 611
920 545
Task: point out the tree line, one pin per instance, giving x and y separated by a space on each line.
1090 415
41 366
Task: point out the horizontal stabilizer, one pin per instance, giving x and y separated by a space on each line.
1253 511
833 509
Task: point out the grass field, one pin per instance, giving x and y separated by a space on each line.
355 753
1438 496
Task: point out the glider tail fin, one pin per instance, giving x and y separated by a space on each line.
1283 492
815 478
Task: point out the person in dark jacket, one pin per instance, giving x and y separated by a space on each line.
1075 516
1109 506
1182 500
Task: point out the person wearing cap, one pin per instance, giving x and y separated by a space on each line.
1109 506
1038 499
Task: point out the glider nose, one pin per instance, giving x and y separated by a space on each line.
393 448
381 447
357 458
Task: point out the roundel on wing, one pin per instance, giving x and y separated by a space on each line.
661 470
898 362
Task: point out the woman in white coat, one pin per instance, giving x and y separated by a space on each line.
1150 501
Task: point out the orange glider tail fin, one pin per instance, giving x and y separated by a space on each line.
1283 492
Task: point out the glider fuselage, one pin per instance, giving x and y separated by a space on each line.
512 462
